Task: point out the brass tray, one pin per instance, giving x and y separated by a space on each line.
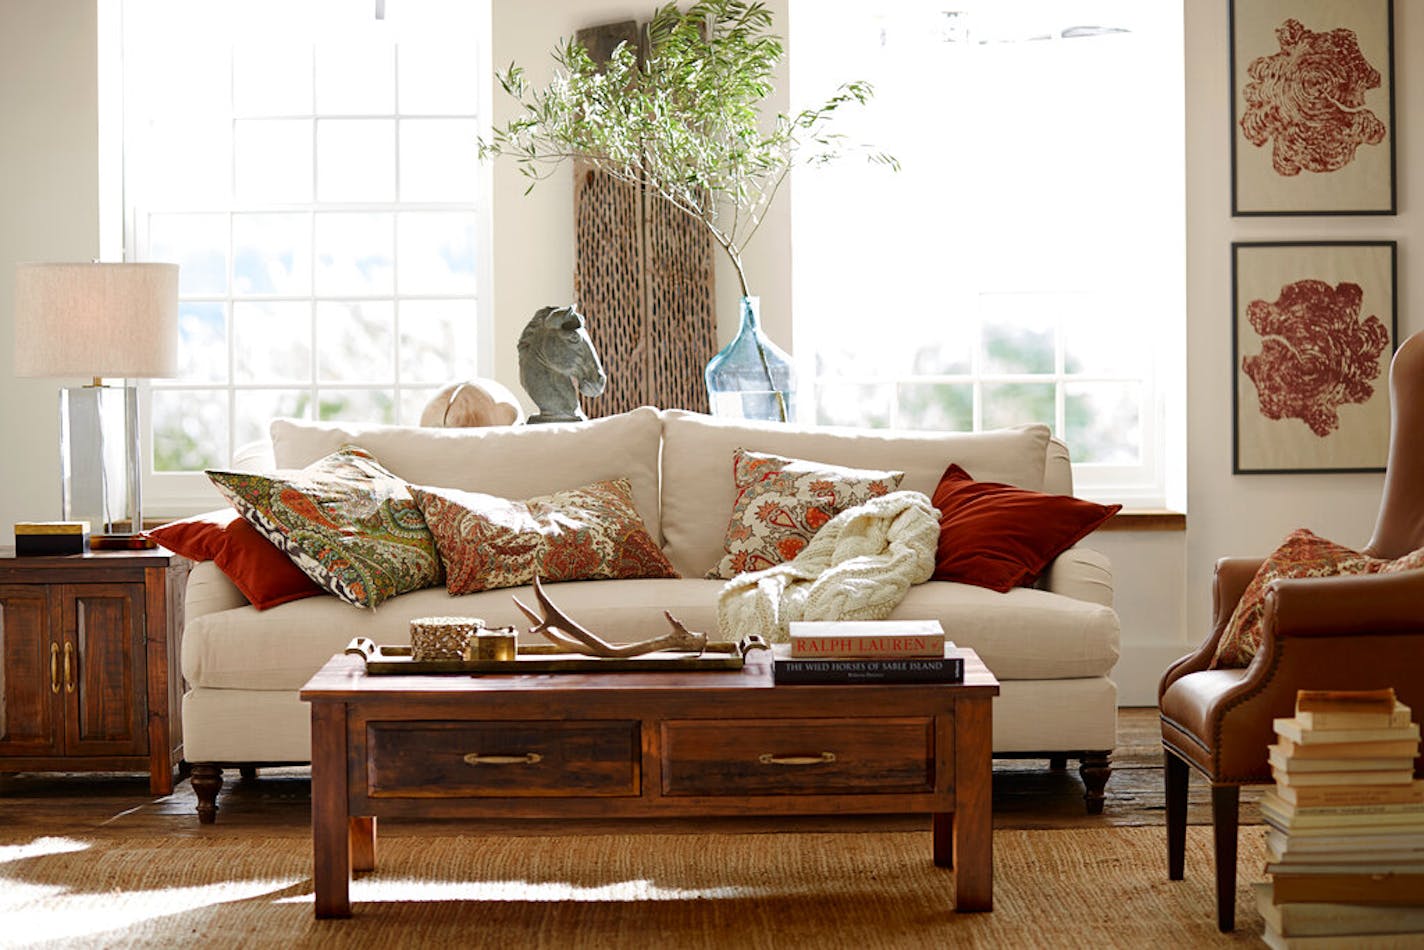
547 658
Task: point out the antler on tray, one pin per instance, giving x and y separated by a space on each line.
563 631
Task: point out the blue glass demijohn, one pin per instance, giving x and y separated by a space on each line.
752 378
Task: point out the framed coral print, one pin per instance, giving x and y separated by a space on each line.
1313 330
1312 107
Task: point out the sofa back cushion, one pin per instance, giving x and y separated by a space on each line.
506 461
698 491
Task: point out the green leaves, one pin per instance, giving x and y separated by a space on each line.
686 123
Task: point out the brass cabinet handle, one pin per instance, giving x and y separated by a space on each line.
69 667
54 667
768 758
528 758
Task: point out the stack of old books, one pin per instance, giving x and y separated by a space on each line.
1345 824
867 651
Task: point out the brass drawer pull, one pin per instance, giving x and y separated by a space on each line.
69 667
528 758
54 667
767 758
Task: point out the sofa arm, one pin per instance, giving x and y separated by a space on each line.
209 591
1083 574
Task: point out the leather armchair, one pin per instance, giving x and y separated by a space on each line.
1347 632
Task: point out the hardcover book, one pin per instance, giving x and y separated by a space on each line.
794 670
1345 843
1317 796
1282 759
866 638
1404 776
1350 750
1294 731
1272 799
1384 888
1325 919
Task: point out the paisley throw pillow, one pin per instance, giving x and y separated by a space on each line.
1302 554
781 503
349 524
588 533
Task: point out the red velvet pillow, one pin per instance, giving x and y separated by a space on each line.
997 536
259 569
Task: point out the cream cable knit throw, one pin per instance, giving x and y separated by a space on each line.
857 567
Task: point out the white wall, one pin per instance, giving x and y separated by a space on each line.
48 193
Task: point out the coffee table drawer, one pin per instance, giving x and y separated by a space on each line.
798 756
504 759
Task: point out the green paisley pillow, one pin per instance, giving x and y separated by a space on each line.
348 523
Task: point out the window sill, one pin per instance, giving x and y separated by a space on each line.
1146 519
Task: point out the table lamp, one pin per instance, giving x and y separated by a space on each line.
117 321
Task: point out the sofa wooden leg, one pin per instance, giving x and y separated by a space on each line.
1176 776
248 772
207 781
1225 809
1058 762
1095 768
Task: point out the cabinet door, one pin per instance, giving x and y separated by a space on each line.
104 678
28 682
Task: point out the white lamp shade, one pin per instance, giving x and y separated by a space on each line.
97 320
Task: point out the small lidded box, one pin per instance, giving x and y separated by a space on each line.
442 638
51 537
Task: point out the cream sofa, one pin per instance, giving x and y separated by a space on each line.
1052 647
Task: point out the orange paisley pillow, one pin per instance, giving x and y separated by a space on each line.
781 503
588 533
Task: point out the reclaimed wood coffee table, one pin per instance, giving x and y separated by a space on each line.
638 745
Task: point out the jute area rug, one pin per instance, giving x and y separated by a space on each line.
1100 887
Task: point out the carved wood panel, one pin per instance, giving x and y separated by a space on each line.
644 279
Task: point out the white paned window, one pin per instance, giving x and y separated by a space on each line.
313 171
1026 264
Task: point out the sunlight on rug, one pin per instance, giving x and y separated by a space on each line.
1100 887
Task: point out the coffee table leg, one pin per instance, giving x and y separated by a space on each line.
363 843
331 828
972 821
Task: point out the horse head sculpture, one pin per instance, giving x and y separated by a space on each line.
557 362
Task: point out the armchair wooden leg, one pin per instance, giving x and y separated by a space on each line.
1225 809
1176 773
207 781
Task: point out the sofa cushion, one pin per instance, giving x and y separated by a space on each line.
505 461
697 489
782 502
244 649
997 536
265 575
349 524
1024 634
587 533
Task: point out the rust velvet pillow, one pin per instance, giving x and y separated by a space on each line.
256 566
997 536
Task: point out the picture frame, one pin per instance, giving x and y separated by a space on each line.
1314 326
1287 157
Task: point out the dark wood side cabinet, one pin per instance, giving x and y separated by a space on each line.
89 675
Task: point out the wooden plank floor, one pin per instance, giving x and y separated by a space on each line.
1027 794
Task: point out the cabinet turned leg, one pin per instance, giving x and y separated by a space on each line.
1095 768
207 781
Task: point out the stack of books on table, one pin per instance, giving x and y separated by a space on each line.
1345 825
867 651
